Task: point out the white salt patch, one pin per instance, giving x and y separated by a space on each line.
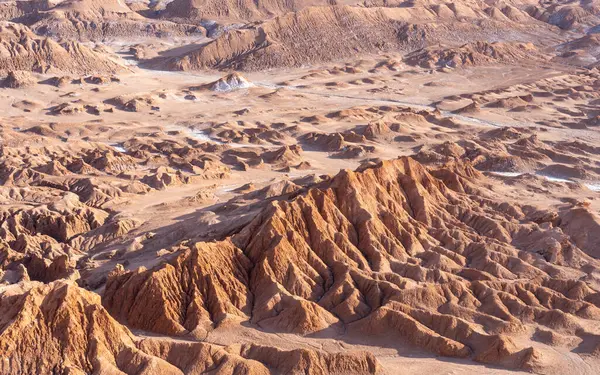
508 174
593 186
231 83
228 188
225 87
548 178
274 86
131 62
197 134
555 179
117 147
201 136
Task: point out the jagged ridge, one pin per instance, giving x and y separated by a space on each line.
425 255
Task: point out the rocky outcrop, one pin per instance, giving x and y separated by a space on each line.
94 20
245 10
476 53
55 199
314 34
279 42
18 79
342 145
21 49
231 82
213 277
393 250
79 336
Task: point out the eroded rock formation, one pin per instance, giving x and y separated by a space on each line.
79 336
426 256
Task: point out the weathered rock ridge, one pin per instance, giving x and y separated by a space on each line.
426 256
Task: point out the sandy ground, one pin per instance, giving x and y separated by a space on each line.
179 114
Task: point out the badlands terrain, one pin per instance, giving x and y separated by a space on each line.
299 187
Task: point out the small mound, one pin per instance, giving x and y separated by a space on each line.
565 171
27 105
18 79
59 81
509 103
231 82
468 109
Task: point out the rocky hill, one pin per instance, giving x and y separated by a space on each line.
230 11
319 34
424 256
21 49
79 336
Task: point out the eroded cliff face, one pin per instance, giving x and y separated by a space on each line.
22 50
296 33
61 328
245 10
428 257
206 187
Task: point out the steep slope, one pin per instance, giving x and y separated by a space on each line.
93 20
245 10
568 15
21 49
14 10
310 35
79 336
317 34
424 257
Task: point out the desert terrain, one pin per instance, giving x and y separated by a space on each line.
299 187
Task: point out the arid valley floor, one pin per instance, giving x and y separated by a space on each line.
299 187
